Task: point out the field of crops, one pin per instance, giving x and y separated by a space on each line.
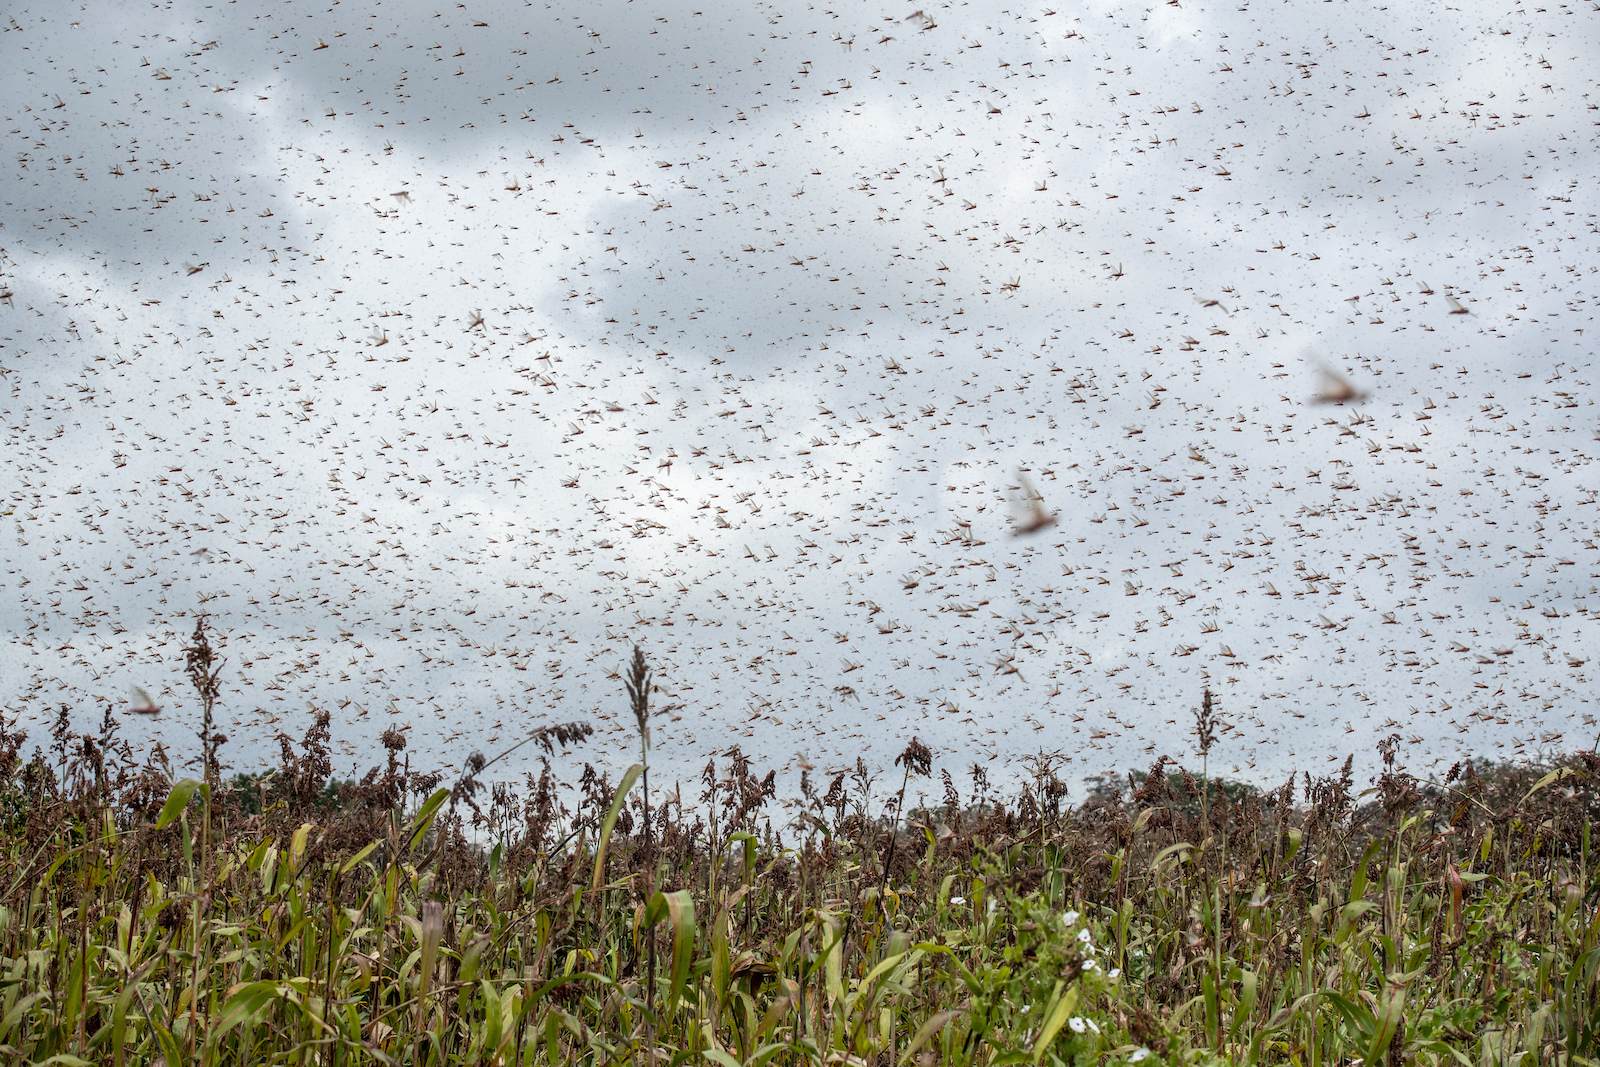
1167 918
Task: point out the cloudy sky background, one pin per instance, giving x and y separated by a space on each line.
441 353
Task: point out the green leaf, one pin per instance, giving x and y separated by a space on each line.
679 907
611 821
1357 1014
1389 1014
1243 1008
1351 912
493 1020
168 1044
1554 776
1209 994
1358 885
424 818
351 863
177 800
1180 850
119 1011
779 1008
1055 1018
722 966
929 1030
244 1004
17 1011
884 966
833 968
971 981
721 1058
765 1053
1293 848
297 853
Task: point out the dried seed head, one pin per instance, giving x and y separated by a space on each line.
916 758
1206 722
638 685
171 916
564 734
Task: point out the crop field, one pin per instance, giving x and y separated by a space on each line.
1168 917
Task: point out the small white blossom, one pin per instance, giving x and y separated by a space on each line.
1083 935
1088 965
1068 918
958 900
1115 972
1139 1054
1079 1025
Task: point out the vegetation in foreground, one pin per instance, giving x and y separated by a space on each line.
1169 919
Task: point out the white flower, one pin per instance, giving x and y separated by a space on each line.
1139 1054
1088 965
1025 1009
958 900
1083 935
1069 918
1115 972
1079 1025
1092 1026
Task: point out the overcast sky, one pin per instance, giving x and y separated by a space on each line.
442 353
